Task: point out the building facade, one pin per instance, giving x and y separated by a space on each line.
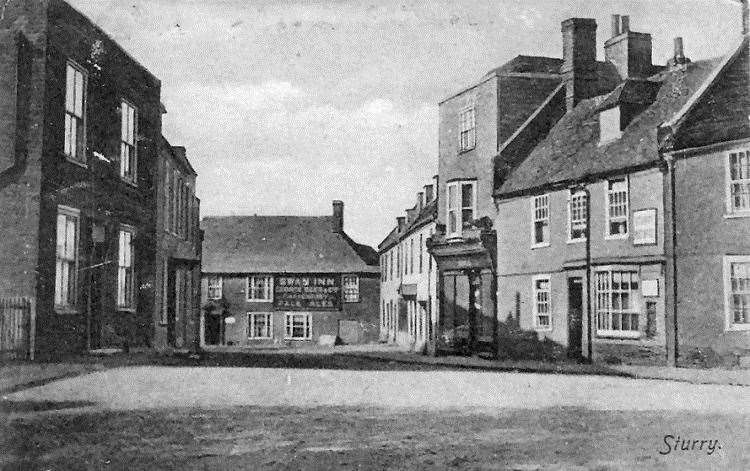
286 281
482 131
178 254
79 148
408 277
604 246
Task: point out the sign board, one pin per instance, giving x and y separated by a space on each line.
650 288
307 293
644 227
230 320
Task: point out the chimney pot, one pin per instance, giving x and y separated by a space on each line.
625 24
338 217
401 221
615 25
420 201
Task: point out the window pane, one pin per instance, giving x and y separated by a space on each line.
467 196
79 94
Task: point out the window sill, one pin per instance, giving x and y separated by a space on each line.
738 328
540 246
76 162
259 338
132 183
66 310
130 310
616 237
737 215
464 151
266 301
576 241
298 339
617 335
543 329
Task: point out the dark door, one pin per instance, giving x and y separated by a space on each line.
575 317
97 285
171 307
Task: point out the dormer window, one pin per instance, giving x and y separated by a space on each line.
610 125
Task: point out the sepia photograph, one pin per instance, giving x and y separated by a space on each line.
375 235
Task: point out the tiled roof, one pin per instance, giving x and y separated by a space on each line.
571 150
426 215
279 244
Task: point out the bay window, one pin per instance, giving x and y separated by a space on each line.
461 207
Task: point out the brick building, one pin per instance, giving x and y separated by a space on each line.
286 280
623 234
408 276
178 255
507 111
79 146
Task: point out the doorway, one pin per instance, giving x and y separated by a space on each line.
575 317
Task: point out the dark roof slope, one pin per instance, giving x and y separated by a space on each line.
571 150
279 244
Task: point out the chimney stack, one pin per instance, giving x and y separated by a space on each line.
579 60
630 52
428 193
679 49
625 24
420 201
401 221
615 25
337 225
745 17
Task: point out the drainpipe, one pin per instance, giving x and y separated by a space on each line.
670 161
589 345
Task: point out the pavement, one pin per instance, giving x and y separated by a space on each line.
21 375
148 387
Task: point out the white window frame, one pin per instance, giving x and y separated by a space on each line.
537 215
128 142
731 210
219 288
455 205
164 320
74 145
126 298
66 300
266 296
467 128
344 288
289 325
637 305
730 325
251 325
535 292
577 203
608 209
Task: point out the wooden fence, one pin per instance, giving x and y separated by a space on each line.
17 328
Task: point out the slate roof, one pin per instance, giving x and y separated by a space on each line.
571 150
426 215
279 244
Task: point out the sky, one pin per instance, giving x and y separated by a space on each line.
285 106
